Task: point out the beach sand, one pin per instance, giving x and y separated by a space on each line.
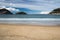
29 32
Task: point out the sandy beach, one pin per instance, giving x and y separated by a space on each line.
29 32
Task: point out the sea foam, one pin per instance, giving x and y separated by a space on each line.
36 21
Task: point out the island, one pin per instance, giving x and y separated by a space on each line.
5 11
55 11
21 13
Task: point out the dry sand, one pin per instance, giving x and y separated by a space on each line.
29 32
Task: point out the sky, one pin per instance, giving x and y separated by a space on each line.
32 6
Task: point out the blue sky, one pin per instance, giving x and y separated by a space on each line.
37 6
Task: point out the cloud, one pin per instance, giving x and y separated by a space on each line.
44 12
32 7
39 5
21 5
11 9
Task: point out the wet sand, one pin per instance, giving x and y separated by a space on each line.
29 32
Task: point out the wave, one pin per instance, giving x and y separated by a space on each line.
29 18
36 21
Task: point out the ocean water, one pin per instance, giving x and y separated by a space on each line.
33 19
30 16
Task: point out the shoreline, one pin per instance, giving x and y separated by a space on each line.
30 25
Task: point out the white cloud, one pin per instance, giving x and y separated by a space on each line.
44 12
32 7
13 10
46 7
10 8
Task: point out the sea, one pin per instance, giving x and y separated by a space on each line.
33 19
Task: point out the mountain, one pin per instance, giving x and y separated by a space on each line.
55 11
21 13
17 9
5 11
28 11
